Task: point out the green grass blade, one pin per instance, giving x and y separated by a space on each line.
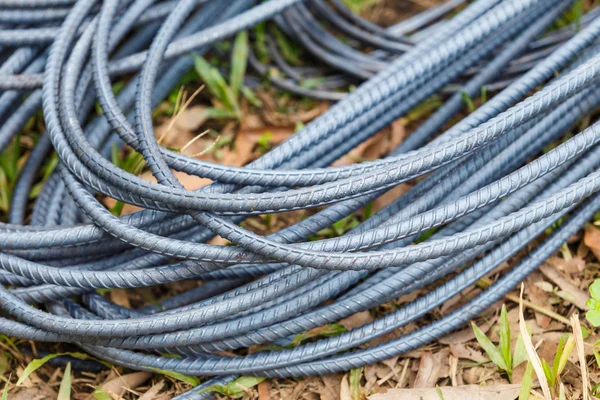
355 375
491 350
505 340
527 382
205 70
549 373
64 392
239 62
38 363
3 363
251 97
236 388
34 366
100 394
520 353
468 101
190 380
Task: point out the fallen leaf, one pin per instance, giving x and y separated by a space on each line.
345 389
241 151
120 297
467 334
357 320
580 353
263 391
462 351
123 383
540 298
531 353
389 196
39 392
431 368
575 265
577 296
470 392
331 390
191 118
153 391
591 238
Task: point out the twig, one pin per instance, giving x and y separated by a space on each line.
539 309
534 359
580 354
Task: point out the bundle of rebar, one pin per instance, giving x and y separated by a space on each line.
483 189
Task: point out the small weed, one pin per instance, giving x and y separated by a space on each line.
320 332
565 347
593 314
237 388
338 228
190 380
101 394
227 105
424 109
264 142
38 363
355 375
358 6
468 101
11 161
501 355
290 52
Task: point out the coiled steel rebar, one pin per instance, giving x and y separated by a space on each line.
480 189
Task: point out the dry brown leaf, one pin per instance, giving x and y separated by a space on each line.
120 297
462 351
575 265
538 297
470 392
431 368
389 196
38 392
372 373
518 372
591 238
331 389
153 391
466 334
357 320
276 134
354 154
123 383
457 301
580 353
479 375
384 143
191 182
578 296
298 390
263 391
191 118
241 152
533 356
251 121
345 393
